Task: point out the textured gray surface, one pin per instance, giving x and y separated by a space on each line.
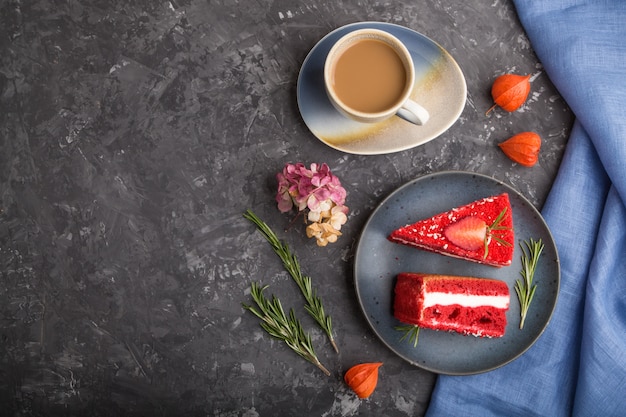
133 135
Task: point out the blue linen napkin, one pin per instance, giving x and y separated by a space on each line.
578 366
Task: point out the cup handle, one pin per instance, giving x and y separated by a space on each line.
413 112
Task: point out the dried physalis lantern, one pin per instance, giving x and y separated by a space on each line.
510 91
522 148
363 378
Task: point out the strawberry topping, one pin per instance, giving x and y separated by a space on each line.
468 233
472 233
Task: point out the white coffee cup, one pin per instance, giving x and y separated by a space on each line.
369 76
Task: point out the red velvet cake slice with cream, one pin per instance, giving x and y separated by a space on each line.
467 305
481 231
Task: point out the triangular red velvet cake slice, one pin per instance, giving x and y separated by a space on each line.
481 231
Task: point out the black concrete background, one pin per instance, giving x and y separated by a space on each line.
134 134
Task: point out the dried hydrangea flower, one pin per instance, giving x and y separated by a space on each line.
317 191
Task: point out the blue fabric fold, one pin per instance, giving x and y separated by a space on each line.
578 366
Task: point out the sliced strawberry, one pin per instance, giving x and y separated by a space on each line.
469 233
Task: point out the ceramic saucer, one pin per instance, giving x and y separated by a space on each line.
439 86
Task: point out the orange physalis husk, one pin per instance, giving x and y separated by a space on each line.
522 148
363 378
510 91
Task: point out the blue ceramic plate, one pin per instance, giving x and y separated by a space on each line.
439 87
378 261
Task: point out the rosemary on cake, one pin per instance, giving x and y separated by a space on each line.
314 305
411 333
283 327
524 287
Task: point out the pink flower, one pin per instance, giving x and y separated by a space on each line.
283 197
316 190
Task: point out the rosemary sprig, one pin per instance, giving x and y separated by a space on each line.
411 332
283 327
314 305
524 287
495 227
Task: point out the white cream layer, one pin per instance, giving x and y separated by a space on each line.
446 299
